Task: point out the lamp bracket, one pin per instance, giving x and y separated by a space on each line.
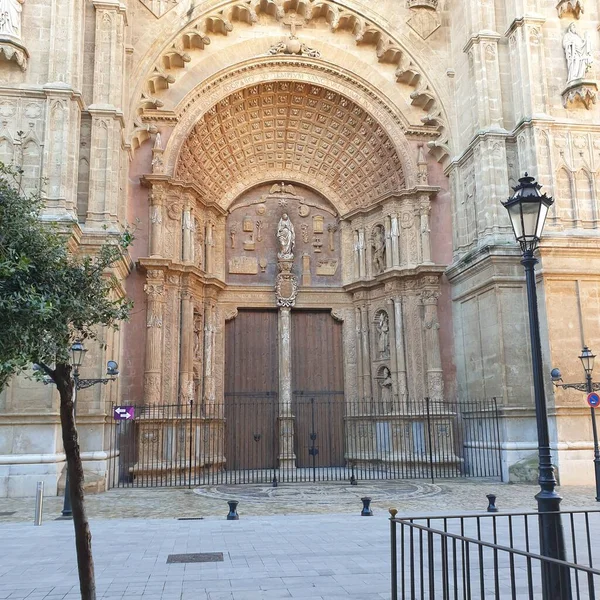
81 384
581 387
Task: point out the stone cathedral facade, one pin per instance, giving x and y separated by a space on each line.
338 156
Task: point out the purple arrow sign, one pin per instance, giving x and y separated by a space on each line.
123 413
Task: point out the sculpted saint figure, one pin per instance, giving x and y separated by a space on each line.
383 329
379 249
286 237
578 52
10 17
387 404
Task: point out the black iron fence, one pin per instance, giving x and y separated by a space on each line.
489 555
315 436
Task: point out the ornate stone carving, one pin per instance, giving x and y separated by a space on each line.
286 287
580 93
293 45
379 249
382 326
362 136
286 237
243 265
431 4
578 52
570 7
424 22
385 393
10 18
327 267
159 7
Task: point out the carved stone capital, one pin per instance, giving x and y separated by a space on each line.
569 7
154 291
430 297
579 93
11 49
431 4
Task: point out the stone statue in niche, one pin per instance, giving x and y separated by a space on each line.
10 17
378 244
286 237
385 383
383 334
578 52
197 337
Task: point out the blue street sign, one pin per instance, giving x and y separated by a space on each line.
593 399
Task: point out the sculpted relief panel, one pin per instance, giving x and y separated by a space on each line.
282 222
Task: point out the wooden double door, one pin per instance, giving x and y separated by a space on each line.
252 389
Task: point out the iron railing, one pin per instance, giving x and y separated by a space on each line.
320 436
490 555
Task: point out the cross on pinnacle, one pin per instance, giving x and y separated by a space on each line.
292 23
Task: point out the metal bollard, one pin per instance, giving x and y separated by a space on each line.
233 516
492 503
366 509
39 503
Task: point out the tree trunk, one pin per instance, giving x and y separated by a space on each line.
83 536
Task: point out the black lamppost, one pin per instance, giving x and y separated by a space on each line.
527 210
112 370
587 360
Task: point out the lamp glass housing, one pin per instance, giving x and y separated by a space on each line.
587 360
77 353
527 210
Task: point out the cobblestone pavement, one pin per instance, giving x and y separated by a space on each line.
414 496
280 548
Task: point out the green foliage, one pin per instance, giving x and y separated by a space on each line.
49 296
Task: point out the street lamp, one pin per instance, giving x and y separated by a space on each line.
78 352
527 210
587 360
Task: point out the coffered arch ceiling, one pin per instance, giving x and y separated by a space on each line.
164 64
299 130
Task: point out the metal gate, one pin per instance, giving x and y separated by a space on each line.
334 440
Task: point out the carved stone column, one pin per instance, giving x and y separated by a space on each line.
209 335
435 383
287 458
209 241
425 207
155 292
366 355
388 243
399 351
187 232
356 256
156 198
393 354
368 255
361 253
359 357
395 247
186 364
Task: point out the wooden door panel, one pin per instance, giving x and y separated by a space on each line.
318 400
251 382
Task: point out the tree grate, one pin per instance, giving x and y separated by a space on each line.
195 558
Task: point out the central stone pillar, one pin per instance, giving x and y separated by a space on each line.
286 290
287 458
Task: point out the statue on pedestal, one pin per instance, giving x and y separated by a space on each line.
578 53
387 403
286 237
10 17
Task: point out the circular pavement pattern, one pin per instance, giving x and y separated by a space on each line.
324 493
